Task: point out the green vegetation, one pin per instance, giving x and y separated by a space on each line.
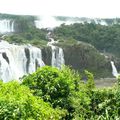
18 103
33 36
65 89
81 43
104 38
81 56
54 94
76 42
23 23
54 86
25 31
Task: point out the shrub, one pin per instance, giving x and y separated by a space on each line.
52 84
18 103
62 88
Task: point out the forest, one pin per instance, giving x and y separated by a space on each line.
105 38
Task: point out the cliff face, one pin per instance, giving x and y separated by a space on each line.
47 55
18 60
82 56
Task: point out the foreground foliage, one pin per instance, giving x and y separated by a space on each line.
54 86
55 94
66 89
18 103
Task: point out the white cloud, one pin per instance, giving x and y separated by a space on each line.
81 8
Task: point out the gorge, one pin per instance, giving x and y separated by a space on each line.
19 60
20 56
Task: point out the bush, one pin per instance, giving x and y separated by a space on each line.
18 103
51 84
62 88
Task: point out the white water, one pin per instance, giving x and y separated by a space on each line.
6 26
16 61
47 22
35 56
114 70
50 22
57 53
19 60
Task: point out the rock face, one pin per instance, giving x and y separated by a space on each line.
80 57
84 56
47 55
18 60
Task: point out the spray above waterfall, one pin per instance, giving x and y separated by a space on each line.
52 22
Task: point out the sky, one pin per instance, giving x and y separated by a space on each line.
76 8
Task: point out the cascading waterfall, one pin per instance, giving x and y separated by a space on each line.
11 26
19 60
114 70
57 53
16 61
6 26
35 59
57 56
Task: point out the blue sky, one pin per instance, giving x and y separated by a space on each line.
80 8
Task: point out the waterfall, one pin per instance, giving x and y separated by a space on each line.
57 53
16 61
12 26
114 70
35 59
6 26
57 56
19 60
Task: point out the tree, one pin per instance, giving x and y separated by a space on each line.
18 103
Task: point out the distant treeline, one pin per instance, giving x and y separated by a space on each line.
104 38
